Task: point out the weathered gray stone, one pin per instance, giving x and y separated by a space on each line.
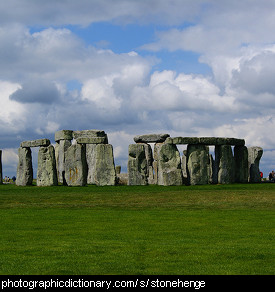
118 169
60 152
137 165
35 143
63 135
211 170
151 138
205 141
75 165
149 156
88 134
46 167
1 174
169 165
197 164
225 164
182 140
91 163
254 155
92 140
241 164
184 167
104 165
122 179
24 174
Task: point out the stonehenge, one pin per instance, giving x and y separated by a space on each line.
89 160
85 157
233 162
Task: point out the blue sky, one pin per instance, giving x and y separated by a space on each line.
182 67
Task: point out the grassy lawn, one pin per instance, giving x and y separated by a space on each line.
198 230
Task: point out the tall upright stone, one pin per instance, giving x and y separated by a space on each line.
149 159
1 174
254 155
60 150
197 164
184 167
169 165
137 165
24 174
91 163
75 165
105 174
63 142
241 164
46 167
225 164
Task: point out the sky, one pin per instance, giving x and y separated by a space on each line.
132 67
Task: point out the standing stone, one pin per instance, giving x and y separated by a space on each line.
184 167
1 175
149 159
211 170
46 167
241 164
254 156
75 165
105 174
225 164
197 164
60 152
137 165
118 169
91 163
169 165
24 174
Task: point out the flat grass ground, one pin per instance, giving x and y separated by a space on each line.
137 230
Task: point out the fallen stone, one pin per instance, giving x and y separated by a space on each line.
75 165
197 164
225 164
241 164
63 135
122 179
254 155
137 165
46 167
24 174
92 140
151 138
35 143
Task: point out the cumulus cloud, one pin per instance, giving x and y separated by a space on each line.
36 91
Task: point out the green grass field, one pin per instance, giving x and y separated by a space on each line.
137 230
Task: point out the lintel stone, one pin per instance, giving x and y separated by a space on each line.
205 141
63 135
151 138
88 134
35 143
92 140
